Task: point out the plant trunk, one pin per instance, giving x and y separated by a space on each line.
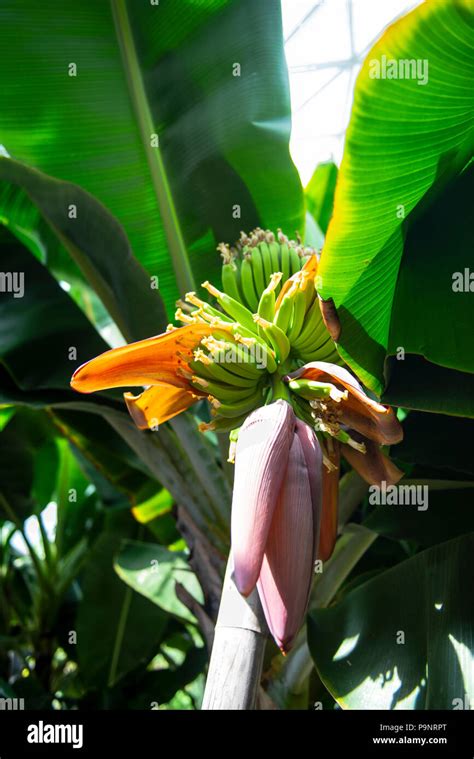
236 661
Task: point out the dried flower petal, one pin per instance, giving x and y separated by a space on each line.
372 465
358 411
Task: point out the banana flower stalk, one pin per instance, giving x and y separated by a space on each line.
262 356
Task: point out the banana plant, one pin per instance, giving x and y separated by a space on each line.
180 174
171 144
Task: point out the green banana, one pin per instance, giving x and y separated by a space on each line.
247 283
315 334
278 340
331 355
203 306
313 327
245 370
315 342
212 370
311 390
310 294
283 315
344 437
258 271
223 424
299 310
266 304
302 409
230 280
295 261
226 393
274 248
233 307
266 358
267 261
285 262
233 410
243 362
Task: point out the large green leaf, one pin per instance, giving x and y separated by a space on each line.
76 505
404 639
168 69
93 238
153 571
439 445
390 250
319 193
158 687
106 451
43 334
28 461
16 475
117 629
436 369
449 513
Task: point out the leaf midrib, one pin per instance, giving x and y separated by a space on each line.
159 179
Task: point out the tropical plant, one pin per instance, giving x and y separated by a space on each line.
129 155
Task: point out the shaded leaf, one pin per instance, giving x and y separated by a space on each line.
449 513
117 629
153 571
402 640
98 245
35 344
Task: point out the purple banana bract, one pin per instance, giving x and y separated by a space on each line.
275 515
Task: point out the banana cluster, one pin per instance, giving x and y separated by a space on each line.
267 322
248 266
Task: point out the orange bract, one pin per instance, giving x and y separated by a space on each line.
159 403
147 362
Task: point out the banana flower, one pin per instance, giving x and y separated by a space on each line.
264 359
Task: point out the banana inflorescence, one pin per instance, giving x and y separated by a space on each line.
267 322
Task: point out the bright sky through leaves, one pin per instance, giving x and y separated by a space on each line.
325 43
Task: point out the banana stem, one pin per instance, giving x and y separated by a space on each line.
236 661
280 390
